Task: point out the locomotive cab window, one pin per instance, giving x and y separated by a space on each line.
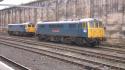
33 25
29 25
84 25
92 24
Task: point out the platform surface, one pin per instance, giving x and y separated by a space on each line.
4 66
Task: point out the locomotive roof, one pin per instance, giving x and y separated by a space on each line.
16 24
59 22
87 19
20 24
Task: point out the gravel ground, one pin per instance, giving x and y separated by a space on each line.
36 61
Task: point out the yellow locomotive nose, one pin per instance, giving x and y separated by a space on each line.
96 30
31 28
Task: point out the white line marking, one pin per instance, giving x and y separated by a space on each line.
3 66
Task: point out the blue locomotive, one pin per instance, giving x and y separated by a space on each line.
21 29
87 31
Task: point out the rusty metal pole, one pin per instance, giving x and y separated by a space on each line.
2 20
20 12
12 16
42 11
91 9
24 15
100 9
6 20
66 15
8 16
83 8
15 16
41 18
57 10
4 17
75 9
29 14
46 11
35 15
123 8
106 22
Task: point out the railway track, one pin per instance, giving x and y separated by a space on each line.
17 66
55 55
115 62
91 51
79 49
107 47
104 46
116 49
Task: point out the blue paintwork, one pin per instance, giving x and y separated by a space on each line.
77 31
19 28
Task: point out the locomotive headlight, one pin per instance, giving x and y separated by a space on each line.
85 30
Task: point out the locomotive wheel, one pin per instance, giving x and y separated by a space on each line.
10 33
90 43
79 41
38 37
42 37
93 43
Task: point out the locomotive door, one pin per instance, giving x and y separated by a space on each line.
91 29
84 29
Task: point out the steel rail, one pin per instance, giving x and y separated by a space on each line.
66 55
76 50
